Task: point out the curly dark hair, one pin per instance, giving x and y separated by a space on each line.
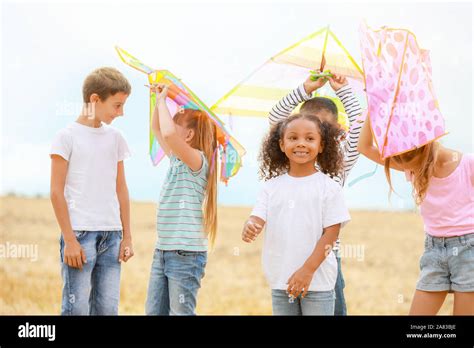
273 161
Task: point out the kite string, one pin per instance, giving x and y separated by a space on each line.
363 176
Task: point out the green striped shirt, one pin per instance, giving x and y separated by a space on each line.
180 218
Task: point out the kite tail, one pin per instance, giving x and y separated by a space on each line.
363 176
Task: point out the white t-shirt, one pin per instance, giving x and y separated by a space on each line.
296 209
90 190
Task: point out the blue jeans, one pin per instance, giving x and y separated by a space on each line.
314 303
340 305
174 282
94 290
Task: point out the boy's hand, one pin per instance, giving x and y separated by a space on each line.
251 231
310 86
74 255
161 91
126 250
299 282
337 82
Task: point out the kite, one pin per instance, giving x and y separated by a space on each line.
257 94
403 109
179 95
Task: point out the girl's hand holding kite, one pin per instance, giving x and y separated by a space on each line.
160 90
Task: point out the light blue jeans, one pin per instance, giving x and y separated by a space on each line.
94 290
314 303
340 307
174 282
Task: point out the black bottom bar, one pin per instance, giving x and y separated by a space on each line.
140 330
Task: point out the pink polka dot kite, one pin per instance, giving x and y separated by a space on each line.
403 109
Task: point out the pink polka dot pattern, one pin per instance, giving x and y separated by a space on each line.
403 109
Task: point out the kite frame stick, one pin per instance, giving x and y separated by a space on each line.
339 43
323 59
397 90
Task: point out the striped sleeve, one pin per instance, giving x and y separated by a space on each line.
287 104
353 109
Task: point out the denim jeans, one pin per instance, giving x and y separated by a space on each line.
174 282
314 303
340 305
447 264
94 290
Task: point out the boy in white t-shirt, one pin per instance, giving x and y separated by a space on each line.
89 195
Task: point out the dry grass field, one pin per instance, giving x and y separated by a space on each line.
381 280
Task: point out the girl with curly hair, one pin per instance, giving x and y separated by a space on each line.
303 210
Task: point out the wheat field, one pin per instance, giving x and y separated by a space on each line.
380 263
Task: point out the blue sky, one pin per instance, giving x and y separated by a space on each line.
48 49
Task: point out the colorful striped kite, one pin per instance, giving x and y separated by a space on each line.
179 95
257 94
